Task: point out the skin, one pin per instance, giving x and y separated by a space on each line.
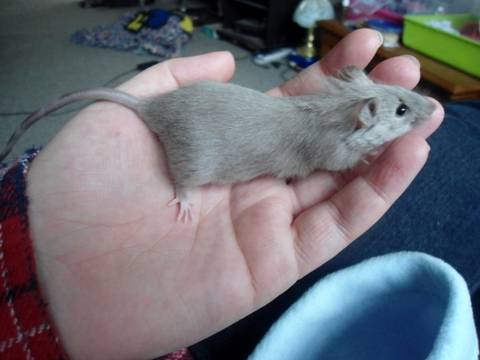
124 280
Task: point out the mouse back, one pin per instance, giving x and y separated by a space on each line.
222 133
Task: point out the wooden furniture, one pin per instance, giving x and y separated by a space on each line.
260 24
448 83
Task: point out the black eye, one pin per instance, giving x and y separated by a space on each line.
401 109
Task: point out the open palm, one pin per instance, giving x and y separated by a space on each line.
125 280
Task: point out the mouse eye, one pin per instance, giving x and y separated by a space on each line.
401 109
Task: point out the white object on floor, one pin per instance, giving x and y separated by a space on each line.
267 58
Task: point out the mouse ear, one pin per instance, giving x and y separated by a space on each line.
344 79
351 73
367 113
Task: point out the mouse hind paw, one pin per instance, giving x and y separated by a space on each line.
185 210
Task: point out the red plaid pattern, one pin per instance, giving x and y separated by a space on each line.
26 331
183 354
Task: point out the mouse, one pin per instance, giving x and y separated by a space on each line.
222 133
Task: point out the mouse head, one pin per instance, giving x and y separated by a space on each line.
376 103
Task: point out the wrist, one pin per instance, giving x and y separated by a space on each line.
72 268
47 235
84 274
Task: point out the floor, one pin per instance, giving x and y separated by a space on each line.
39 63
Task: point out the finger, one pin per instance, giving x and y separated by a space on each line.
172 74
324 230
424 131
321 185
405 71
357 48
428 128
317 187
400 70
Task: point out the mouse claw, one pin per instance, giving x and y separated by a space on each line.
366 162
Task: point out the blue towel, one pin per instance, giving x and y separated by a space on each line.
406 305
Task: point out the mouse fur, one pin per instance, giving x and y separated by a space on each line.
242 133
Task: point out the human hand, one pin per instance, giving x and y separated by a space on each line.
123 279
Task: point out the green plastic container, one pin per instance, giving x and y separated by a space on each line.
456 50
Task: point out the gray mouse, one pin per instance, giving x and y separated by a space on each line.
224 133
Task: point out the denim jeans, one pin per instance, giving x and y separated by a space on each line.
439 214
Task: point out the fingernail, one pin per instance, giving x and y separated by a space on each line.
380 36
413 59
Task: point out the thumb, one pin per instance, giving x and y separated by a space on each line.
172 74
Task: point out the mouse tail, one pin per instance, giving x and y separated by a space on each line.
107 94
